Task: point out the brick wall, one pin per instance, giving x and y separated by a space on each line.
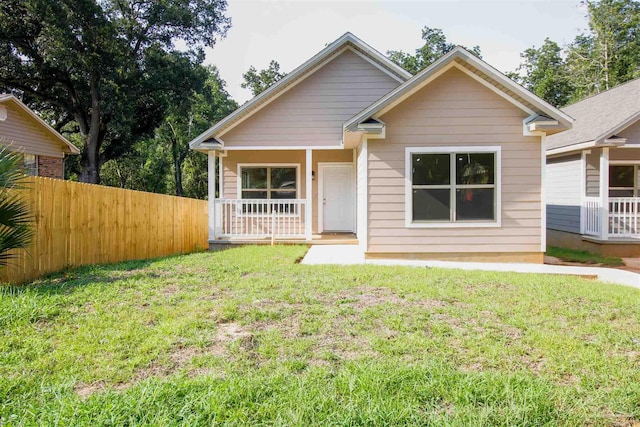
51 167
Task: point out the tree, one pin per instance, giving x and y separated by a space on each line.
609 54
544 73
191 116
107 67
259 81
15 216
435 45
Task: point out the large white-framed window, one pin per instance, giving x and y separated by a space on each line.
452 186
269 181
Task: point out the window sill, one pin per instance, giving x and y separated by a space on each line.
492 224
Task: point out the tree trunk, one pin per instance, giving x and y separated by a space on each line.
90 162
92 138
178 175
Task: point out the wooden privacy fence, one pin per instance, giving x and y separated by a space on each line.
79 224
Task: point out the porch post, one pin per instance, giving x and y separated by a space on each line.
211 166
604 193
308 210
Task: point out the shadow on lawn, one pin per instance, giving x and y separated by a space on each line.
72 278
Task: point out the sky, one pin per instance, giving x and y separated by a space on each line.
292 31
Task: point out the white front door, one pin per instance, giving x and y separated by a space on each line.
337 197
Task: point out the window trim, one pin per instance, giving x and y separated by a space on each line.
636 181
268 165
409 151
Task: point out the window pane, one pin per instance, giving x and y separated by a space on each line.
254 194
283 194
283 178
431 169
621 193
621 176
474 204
254 178
30 164
431 204
475 168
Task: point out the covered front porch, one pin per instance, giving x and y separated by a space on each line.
611 204
282 195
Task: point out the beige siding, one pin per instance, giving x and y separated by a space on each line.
632 133
624 154
455 110
312 112
593 173
230 169
27 135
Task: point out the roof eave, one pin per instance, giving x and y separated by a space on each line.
292 76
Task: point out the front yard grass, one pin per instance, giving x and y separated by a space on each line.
248 337
572 255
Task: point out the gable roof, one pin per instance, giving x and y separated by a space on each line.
67 146
346 41
600 116
476 68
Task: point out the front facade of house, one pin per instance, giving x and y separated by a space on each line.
446 164
593 175
42 147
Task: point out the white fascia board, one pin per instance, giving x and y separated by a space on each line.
570 148
622 126
288 81
554 112
444 63
72 148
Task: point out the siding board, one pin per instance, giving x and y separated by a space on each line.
455 110
312 112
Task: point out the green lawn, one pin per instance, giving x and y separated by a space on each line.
248 337
586 257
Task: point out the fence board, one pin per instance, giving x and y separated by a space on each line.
79 224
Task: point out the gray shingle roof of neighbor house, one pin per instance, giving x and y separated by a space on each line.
600 116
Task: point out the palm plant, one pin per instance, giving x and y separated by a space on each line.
15 215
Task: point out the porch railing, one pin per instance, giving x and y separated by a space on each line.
591 211
623 218
260 218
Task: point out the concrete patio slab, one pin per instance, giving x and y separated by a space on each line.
353 255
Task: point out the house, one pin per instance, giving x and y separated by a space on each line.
22 130
446 164
593 175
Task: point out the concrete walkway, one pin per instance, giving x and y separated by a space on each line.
352 255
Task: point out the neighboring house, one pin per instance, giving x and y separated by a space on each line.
22 130
446 164
593 175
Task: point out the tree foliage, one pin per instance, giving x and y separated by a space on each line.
108 68
259 81
544 73
607 55
435 45
15 215
187 119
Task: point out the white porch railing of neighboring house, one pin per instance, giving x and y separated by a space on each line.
623 218
260 218
591 211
